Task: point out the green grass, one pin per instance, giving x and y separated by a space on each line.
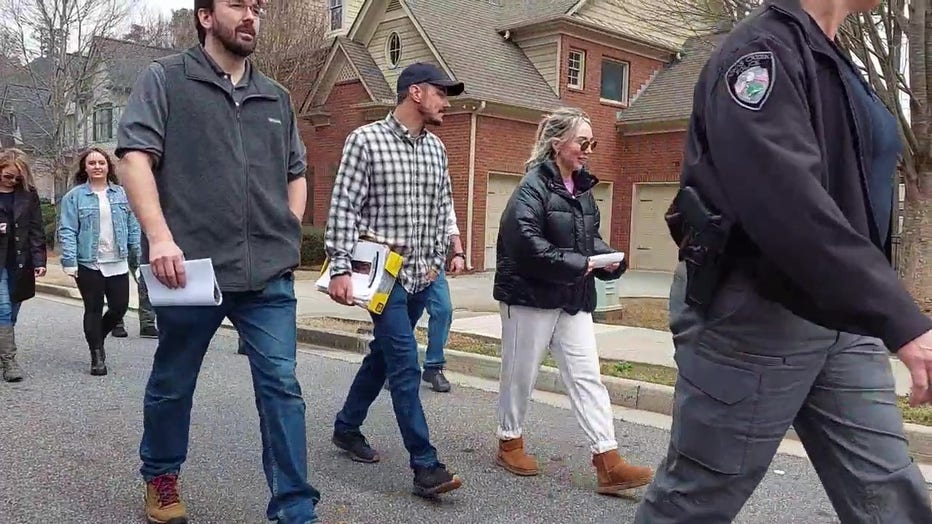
622 369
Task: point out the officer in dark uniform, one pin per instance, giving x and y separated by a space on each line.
793 157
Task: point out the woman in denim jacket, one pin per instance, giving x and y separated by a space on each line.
99 238
22 251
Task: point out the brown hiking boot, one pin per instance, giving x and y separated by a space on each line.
615 475
512 457
163 504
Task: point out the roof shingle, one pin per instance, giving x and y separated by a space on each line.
28 106
492 68
670 95
124 60
372 75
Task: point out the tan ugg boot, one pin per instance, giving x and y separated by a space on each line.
512 457
615 475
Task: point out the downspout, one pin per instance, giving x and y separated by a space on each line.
470 220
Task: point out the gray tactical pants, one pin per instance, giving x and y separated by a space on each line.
146 313
748 371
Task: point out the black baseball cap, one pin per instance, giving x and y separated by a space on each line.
423 73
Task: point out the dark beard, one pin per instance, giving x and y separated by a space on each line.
227 38
428 119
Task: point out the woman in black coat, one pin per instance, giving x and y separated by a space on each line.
545 284
22 250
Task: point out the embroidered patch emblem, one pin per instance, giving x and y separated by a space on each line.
750 79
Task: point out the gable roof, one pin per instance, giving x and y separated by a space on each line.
369 72
670 95
124 60
492 68
24 118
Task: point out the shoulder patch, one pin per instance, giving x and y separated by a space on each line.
750 79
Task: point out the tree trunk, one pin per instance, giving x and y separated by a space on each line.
916 258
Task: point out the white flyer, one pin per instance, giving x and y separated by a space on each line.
600 261
201 287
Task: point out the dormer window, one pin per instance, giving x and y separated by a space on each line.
336 14
393 50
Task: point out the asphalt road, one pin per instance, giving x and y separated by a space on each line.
69 441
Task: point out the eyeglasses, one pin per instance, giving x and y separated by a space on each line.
258 9
587 144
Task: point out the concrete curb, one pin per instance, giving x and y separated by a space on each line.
645 396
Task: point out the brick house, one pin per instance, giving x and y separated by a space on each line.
518 61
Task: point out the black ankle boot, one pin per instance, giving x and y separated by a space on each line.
98 362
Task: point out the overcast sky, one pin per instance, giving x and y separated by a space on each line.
166 6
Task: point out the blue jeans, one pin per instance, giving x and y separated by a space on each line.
440 309
8 309
265 320
393 355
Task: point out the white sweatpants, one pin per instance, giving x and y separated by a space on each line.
527 333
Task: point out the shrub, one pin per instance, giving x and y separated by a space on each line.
49 223
312 246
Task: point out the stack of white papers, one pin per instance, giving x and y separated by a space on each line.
600 261
373 273
201 287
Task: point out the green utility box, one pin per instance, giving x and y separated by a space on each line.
606 295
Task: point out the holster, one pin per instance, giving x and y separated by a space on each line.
702 236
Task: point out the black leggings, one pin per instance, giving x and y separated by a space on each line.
93 286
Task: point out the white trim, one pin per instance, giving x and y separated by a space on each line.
487 264
430 45
358 74
625 88
559 86
323 73
575 9
608 36
582 69
388 50
611 207
326 70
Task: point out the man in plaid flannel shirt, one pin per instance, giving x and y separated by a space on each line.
393 187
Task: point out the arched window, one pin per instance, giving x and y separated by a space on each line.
393 49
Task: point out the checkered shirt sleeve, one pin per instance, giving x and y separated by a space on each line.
392 188
350 191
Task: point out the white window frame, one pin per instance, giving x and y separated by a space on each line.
388 50
333 6
580 70
625 83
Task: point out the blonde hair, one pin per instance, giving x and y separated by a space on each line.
18 160
553 129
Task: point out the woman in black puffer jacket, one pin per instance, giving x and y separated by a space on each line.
545 284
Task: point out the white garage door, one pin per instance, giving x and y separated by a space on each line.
651 245
603 198
500 188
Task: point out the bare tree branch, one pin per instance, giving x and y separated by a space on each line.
58 68
291 42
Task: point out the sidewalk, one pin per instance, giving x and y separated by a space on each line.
476 313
